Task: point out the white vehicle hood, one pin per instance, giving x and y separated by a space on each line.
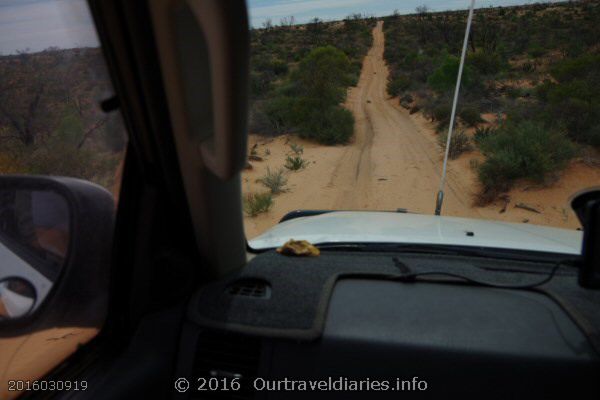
390 227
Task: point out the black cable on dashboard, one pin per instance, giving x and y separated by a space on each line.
410 277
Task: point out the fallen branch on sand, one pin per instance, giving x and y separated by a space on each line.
527 207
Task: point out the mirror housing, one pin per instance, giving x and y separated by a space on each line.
77 286
587 207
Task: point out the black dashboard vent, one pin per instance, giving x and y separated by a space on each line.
221 357
250 288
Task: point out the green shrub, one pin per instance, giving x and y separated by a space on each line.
257 203
296 148
574 100
487 63
272 116
323 76
441 112
514 92
275 181
460 143
333 125
535 51
528 67
444 78
581 67
482 133
309 102
398 85
295 163
260 83
268 64
470 116
525 150
592 136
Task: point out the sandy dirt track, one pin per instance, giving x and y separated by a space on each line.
394 162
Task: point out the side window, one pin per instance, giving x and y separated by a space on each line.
52 80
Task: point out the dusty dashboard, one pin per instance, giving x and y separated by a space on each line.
356 333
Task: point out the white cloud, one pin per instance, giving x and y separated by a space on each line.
44 23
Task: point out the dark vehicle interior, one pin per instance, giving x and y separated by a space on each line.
186 297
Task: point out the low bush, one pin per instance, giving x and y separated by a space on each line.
333 125
260 83
470 116
273 65
398 85
514 92
574 99
536 51
444 78
486 62
591 136
528 67
295 163
441 112
407 99
524 150
308 101
296 148
271 117
257 203
482 133
275 181
460 143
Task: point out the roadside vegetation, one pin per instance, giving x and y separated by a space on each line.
459 144
275 181
257 203
295 163
300 75
532 71
521 150
50 118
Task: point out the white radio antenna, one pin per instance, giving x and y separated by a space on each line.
440 195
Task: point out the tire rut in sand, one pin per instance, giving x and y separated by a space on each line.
388 147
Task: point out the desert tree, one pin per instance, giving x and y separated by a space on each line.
267 24
423 17
287 21
30 89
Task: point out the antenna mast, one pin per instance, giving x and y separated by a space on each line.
440 195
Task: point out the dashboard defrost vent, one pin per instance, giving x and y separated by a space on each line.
250 288
225 356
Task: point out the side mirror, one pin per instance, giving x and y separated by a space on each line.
17 298
587 207
55 243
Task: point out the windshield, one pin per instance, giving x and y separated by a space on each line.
351 107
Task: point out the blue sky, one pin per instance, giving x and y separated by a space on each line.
39 24
304 10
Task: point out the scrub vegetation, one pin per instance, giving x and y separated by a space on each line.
275 181
50 118
257 203
535 68
300 75
299 78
